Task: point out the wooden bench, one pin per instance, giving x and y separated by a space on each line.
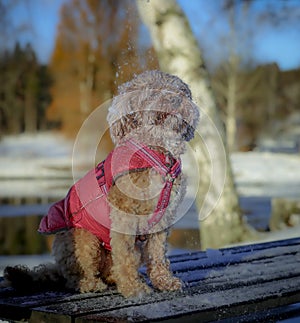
248 283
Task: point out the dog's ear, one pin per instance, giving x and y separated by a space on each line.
125 124
189 133
190 115
181 126
117 131
121 127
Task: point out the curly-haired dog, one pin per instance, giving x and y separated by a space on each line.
117 216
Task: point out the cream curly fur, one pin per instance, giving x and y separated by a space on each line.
81 260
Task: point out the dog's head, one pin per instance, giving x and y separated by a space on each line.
154 104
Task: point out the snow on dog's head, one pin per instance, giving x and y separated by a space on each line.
152 105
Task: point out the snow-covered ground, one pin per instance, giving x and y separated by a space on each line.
35 156
35 165
267 174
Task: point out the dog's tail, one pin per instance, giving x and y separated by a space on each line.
41 277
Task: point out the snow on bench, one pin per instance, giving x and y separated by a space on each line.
259 282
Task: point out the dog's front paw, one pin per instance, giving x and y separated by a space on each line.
91 285
167 283
134 290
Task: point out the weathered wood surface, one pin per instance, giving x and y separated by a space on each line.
253 282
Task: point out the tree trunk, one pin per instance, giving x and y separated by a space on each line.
30 111
179 54
272 90
232 82
231 104
86 84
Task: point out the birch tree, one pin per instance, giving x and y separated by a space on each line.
179 54
238 48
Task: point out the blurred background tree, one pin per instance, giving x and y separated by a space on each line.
24 91
97 48
250 96
24 81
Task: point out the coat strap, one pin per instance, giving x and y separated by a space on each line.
170 174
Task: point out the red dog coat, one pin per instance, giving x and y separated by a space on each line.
86 205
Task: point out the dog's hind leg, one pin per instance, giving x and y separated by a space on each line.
78 254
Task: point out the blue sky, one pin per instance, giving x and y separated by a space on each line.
267 44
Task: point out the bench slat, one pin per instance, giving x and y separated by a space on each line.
219 284
209 306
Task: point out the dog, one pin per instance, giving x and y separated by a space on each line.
117 217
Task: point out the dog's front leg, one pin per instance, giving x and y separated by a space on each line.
126 261
158 266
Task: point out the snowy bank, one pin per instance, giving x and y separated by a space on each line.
266 174
34 156
49 156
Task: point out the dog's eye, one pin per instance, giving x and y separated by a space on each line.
160 117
